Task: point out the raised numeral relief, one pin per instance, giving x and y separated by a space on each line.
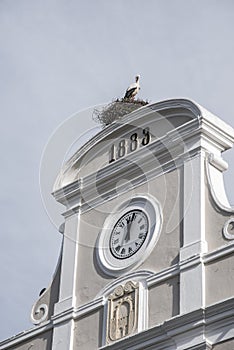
122 311
128 145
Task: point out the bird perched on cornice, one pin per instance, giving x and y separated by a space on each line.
133 89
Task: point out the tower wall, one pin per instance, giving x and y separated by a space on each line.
147 253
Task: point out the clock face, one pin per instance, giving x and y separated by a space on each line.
129 234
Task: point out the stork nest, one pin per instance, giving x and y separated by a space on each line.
116 110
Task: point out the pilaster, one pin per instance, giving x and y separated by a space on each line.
62 319
212 138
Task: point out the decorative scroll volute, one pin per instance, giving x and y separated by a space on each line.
40 310
228 229
122 311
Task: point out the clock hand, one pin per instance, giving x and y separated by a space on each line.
129 225
127 236
124 235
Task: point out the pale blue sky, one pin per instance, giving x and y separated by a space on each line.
58 57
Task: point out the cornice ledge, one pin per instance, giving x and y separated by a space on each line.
75 313
61 195
62 316
218 253
187 331
162 336
174 270
216 128
219 321
26 335
185 322
163 275
219 311
88 308
190 262
160 148
153 337
104 182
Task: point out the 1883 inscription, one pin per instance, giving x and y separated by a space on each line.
128 145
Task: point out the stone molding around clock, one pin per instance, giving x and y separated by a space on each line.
109 264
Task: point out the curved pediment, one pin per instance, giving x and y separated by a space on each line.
168 123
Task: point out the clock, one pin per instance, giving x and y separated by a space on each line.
129 234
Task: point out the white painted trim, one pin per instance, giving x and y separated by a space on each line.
26 335
63 316
218 162
64 304
163 275
89 307
199 329
136 276
192 249
144 157
150 278
219 253
213 324
108 192
219 321
216 185
71 194
194 242
216 314
143 307
76 313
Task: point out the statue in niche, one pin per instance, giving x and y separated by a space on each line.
122 311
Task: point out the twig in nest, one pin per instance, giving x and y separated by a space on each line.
116 110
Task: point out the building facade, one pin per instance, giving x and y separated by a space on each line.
147 258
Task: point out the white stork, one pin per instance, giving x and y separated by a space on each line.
133 89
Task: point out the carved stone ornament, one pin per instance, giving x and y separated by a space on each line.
40 314
122 318
228 229
40 310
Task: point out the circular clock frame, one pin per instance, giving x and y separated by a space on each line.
129 234
115 260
